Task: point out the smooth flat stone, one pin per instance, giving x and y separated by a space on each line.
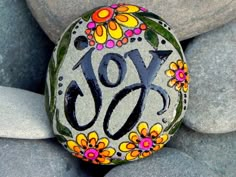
217 151
23 115
168 162
24 48
188 18
212 63
117 85
41 158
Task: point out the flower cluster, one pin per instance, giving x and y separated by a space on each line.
112 26
180 76
144 142
91 148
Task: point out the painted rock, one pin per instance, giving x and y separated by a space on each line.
117 85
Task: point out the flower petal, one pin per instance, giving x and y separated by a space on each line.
180 64
129 156
101 159
178 86
146 154
143 128
103 143
95 162
161 146
127 9
126 20
106 161
173 66
185 87
156 130
187 78
108 152
185 67
133 136
100 34
102 15
135 153
162 139
115 30
73 146
93 138
170 73
126 146
172 82
78 155
81 140
156 148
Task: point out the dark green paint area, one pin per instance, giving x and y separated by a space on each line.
47 105
152 38
61 128
53 69
61 138
151 15
119 161
179 109
175 127
159 29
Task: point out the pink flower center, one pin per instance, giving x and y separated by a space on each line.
145 144
180 75
91 154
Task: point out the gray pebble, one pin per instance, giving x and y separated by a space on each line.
212 63
166 163
188 18
217 151
24 49
23 115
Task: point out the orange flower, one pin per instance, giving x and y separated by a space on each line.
91 148
143 143
180 76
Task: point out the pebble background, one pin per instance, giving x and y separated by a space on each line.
205 146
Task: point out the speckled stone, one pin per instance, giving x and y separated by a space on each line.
216 151
188 18
117 85
169 162
24 48
212 61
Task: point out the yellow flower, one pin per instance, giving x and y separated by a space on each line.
91 148
180 76
143 143
111 20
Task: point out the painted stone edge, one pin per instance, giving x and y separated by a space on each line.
151 33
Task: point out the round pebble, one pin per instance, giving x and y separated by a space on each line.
123 95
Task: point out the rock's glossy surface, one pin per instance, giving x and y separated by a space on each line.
188 18
23 115
24 48
117 85
217 151
212 61
169 162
